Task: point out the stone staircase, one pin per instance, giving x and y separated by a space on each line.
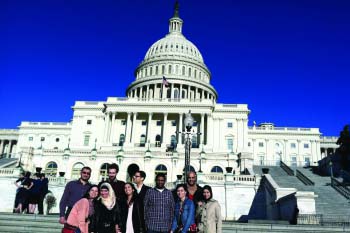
5 162
22 223
29 223
328 203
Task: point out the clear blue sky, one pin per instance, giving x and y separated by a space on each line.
288 60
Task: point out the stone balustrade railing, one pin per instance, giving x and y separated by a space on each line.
8 172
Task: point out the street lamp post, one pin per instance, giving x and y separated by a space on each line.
188 122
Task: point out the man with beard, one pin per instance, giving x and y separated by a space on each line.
117 185
159 207
73 192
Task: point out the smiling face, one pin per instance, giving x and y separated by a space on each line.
137 178
206 194
181 193
112 173
85 174
104 193
128 190
93 192
191 179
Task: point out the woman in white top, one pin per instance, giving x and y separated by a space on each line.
132 209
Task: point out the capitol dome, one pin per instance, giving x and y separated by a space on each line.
177 61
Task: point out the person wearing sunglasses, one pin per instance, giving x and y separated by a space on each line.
73 192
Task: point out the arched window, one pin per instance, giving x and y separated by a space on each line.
183 70
169 69
161 168
158 140
168 93
183 94
51 169
104 171
216 169
143 140
121 139
191 169
151 70
163 69
189 72
156 70
76 170
176 94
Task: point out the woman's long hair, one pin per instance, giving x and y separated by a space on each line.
134 194
207 187
87 194
110 201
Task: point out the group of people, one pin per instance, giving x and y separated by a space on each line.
30 193
114 206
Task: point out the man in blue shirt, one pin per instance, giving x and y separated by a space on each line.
73 192
159 207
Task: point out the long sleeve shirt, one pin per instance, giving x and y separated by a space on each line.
159 210
73 192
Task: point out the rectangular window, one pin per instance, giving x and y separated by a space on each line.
30 139
57 139
86 140
173 123
159 123
229 124
144 123
230 144
195 124
249 144
294 161
42 139
293 145
123 122
306 145
89 122
261 144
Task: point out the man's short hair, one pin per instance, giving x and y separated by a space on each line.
113 166
142 174
160 175
86 168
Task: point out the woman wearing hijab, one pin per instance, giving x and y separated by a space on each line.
184 211
209 213
106 218
83 210
132 209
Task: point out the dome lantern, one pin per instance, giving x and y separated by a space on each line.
175 23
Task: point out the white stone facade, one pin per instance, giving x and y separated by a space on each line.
144 128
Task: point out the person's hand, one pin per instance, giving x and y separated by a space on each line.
199 203
62 220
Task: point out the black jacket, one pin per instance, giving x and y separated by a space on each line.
103 219
138 219
143 192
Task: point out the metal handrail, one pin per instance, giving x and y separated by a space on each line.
303 178
341 188
287 169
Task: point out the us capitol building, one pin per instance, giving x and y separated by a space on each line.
145 129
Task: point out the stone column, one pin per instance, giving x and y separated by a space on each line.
172 91
112 133
128 129
147 93
106 127
196 93
133 135
210 129
141 92
181 92
179 135
164 133
202 129
237 133
285 151
149 126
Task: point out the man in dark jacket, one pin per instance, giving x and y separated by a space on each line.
141 188
117 185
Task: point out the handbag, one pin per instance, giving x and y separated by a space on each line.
70 229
